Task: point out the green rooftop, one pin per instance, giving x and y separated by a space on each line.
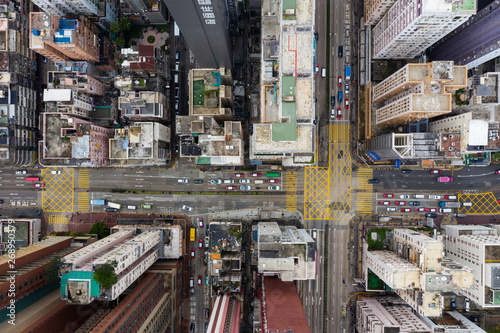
198 92
287 86
289 4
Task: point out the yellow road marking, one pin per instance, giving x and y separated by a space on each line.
57 196
57 219
482 203
83 202
83 179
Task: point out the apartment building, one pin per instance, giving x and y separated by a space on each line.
142 105
76 82
374 10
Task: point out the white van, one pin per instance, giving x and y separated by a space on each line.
467 204
191 282
259 181
323 72
176 78
445 210
314 233
228 181
418 196
131 207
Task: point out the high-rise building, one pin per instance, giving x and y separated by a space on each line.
375 9
62 39
64 7
411 26
418 91
18 98
205 27
477 247
210 93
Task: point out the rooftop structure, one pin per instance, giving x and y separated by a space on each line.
76 82
205 141
375 9
411 26
210 93
418 91
140 144
145 59
286 129
67 101
27 232
286 252
477 247
142 105
72 141
62 39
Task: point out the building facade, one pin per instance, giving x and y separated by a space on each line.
375 9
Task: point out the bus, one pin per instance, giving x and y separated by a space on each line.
272 174
114 205
32 179
193 235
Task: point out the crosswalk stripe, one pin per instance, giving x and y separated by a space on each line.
83 201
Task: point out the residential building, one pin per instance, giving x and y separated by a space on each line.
286 131
210 93
140 144
62 39
477 247
27 232
205 27
18 98
387 314
281 308
71 141
134 10
142 105
226 312
411 26
31 262
452 322
76 82
64 7
375 9
207 143
286 252
145 59
67 101
417 91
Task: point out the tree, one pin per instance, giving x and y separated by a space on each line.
52 269
100 229
105 275
151 39
496 156
125 24
120 41
115 27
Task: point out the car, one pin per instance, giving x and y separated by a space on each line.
239 175
200 244
434 196
332 101
21 172
207 240
314 233
346 85
198 181
199 280
400 203
317 69
388 195
431 210
450 197
184 181
111 210
404 196
272 180
176 104
176 92
339 113
39 185
374 181
1 201
255 174
347 103
193 252
385 203
431 215
216 181
420 209
433 171
414 203
339 96
188 208
230 187
391 209
444 179
406 210
406 171
339 81
341 51
453 305
206 310
274 188
245 187
497 172
332 114
316 35
244 181
200 222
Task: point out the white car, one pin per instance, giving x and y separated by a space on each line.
404 196
391 209
56 172
244 181
188 208
433 196
274 188
245 187
21 172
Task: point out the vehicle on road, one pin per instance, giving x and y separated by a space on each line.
131 207
21 172
245 187
114 205
230 187
199 280
341 51
497 172
445 210
406 210
406 171
339 113
400 203
347 103
432 210
391 209
339 96
111 210
184 181
32 179
348 73
244 181
55 172
444 179
434 196
339 81
274 188
200 222
317 69
188 208
385 203
414 203
459 215
192 235
332 101
272 174
228 181
450 204
453 305
404 196
432 215
332 114
346 85
146 206
450 197
420 209
98 202
388 195
198 181
200 244
255 174
207 242
193 252
314 233
374 181
316 35
418 196
216 181
272 180
323 72
239 175
433 171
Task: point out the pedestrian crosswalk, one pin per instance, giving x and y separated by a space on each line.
364 194
83 202
57 219
291 191
83 179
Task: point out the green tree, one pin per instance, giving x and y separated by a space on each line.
100 229
120 41
52 269
125 24
151 39
105 275
115 27
495 156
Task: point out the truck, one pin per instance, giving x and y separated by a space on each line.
98 202
449 204
177 32
348 73
114 205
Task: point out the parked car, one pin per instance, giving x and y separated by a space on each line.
433 171
200 222
274 188
188 208
388 195
255 174
200 244
400 203
199 280
216 181
193 252
239 175
385 203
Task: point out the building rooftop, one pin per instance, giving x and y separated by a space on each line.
210 92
